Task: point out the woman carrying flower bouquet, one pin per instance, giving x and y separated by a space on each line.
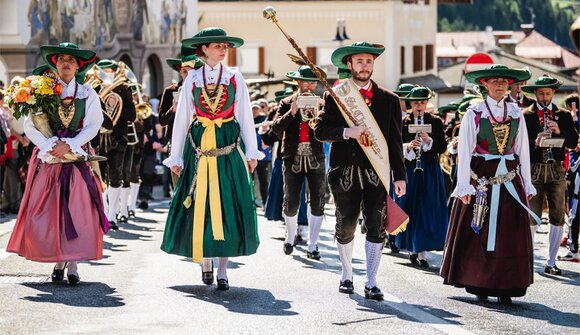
213 213
61 217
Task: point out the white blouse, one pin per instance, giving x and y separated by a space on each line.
468 139
91 123
185 112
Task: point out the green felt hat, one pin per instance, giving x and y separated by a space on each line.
39 71
212 35
452 106
418 94
84 57
174 63
108 64
343 73
189 60
404 89
279 95
544 81
304 73
339 55
497 71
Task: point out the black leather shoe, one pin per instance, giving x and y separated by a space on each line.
393 247
504 300
481 297
131 214
74 280
414 258
207 276
373 293
223 285
113 225
143 205
552 270
57 275
314 254
423 263
288 248
122 219
346 287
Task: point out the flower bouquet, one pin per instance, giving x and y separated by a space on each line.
37 96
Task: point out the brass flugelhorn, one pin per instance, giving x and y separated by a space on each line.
270 14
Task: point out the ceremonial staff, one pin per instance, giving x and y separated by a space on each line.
270 13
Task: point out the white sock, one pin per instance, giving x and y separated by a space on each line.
533 230
222 268
124 201
60 266
106 200
422 255
291 228
314 226
345 253
72 268
133 193
374 253
556 233
114 194
207 264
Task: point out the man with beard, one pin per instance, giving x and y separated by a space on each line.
354 182
548 175
303 157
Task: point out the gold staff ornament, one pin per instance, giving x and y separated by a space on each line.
270 14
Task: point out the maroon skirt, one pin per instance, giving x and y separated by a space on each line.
508 270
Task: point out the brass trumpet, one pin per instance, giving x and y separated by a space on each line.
308 108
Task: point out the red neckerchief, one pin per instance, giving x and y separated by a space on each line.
367 94
541 115
304 134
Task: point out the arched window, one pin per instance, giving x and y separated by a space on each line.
153 77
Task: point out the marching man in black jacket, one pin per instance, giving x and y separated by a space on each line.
353 181
303 157
548 175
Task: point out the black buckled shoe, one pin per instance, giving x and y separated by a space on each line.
394 248
223 285
131 214
504 300
552 270
373 293
414 258
288 248
122 219
74 280
113 225
346 287
58 275
423 263
207 276
314 254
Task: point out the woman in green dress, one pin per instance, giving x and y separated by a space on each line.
214 150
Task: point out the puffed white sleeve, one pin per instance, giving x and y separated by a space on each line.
465 147
44 144
243 113
522 149
92 123
408 154
183 116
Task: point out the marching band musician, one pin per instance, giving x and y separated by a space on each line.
212 213
493 187
425 200
61 216
116 169
303 157
545 119
353 180
517 96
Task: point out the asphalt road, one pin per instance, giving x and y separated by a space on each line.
138 289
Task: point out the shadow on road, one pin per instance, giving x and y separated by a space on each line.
88 294
527 310
239 299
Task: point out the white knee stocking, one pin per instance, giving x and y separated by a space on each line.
291 228
314 225
345 253
133 193
114 193
556 233
373 252
124 201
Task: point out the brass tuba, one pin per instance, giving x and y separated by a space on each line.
113 102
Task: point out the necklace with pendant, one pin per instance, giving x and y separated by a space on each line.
66 109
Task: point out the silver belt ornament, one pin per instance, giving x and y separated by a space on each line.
304 158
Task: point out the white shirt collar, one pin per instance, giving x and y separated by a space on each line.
497 104
366 87
215 68
550 107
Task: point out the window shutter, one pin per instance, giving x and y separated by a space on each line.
311 54
232 57
261 61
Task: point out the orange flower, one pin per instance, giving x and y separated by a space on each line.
22 95
57 88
